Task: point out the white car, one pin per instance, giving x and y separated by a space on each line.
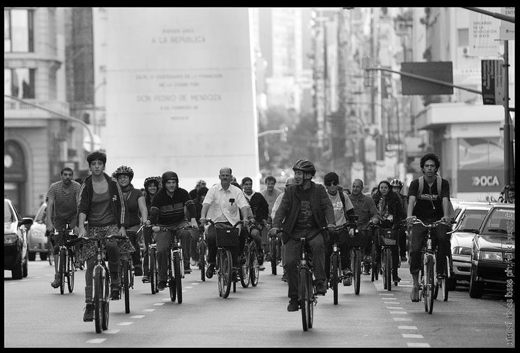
15 240
36 239
469 216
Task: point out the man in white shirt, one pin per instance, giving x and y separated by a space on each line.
223 204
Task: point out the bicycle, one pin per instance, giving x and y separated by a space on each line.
225 238
66 268
175 263
357 244
428 283
126 274
336 275
375 265
153 265
249 269
388 244
101 281
274 251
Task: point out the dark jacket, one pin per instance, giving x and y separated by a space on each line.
259 206
116 194
168 210
395 208
289 209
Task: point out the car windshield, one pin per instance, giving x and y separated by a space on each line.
502 221
472 220
8 216
40 216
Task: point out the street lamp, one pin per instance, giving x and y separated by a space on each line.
60 115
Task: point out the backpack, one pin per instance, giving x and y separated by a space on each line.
451 210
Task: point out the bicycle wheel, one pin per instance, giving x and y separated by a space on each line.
177 261
225 273
171 279
254 267
98 298
245 277
334 275
62 268
388 269
125 269
375 265
429 280
70 270
355 257
202 259
105 305
445 281
274 255
153 270
305 299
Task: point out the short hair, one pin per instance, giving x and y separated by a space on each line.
246 179
67 169
360 181
430 156
230 170
269 177
97 155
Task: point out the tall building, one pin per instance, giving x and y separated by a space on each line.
40 136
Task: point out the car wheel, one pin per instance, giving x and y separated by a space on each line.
17 270
476 288
32 256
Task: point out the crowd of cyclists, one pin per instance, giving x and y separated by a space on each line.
111 205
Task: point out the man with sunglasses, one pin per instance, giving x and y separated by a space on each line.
342 209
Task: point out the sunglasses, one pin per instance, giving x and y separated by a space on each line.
331 183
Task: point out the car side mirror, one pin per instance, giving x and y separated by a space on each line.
27 222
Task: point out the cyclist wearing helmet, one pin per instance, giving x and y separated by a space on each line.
101 202
305 207
168 209
397 185
429 207
136 208
151 186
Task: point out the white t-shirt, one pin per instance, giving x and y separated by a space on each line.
225 205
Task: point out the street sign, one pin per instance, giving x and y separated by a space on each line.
437 70
484 32
493 82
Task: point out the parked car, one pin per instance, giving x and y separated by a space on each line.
493 251
36 238
15 240
469 217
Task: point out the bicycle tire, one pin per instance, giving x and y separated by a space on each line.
152 263
106 302
254 269
62 268
202 260
177 261
388 269
312 295
375 266
445 281
125 287
225 273
71 269
304 297
245 276
171 279
334 275
356 268
98 299
429 286
273 254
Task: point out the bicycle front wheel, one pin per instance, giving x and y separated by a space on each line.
305 298
355 257
254 269
62 267
202 260
375 266
388 269
153 270
71 269
245 277
429 281
98 298
177 261
334 275
225 268
274 255
125 269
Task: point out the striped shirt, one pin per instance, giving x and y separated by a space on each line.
65 203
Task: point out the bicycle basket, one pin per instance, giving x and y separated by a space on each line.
227 236
359 239
388 236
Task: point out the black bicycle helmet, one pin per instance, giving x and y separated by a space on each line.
396 182
169 175
305 166
149 180
124 170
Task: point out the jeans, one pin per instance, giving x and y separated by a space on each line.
164 240
439 238
292 255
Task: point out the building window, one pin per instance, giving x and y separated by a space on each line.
19 83
18 31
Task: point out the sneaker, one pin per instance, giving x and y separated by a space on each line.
261 267
56 283
115 294
146 279
347 272
89 313
396 278
210 270
347 281
161 285
293 305
321 288
403 258
138 271
187 269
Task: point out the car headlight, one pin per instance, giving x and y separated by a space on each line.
10 239
461 250
490 255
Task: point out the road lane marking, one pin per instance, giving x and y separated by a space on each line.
402 319
407 327
148 310
97 340
111 332
418 345
399 312
137 316
126 323
412 335
158 304
394 307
